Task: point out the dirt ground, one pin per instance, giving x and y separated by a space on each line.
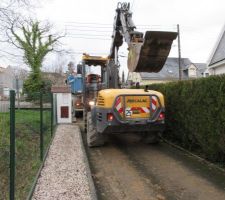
128 169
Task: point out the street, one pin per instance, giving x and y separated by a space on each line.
128 169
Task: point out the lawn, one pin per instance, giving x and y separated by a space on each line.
27 149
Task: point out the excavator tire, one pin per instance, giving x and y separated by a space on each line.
151 138
94 139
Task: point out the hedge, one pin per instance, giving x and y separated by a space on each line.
195 115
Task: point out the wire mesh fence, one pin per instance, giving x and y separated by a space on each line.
4 145
33 130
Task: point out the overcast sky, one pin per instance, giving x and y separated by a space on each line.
88 23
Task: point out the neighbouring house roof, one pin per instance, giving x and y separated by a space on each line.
218 53
61 89
169 71
201 67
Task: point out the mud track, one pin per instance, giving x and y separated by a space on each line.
128 169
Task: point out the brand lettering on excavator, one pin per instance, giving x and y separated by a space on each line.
136 100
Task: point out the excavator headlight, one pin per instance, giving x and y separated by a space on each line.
91 103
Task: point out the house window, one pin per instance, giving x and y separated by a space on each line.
206 74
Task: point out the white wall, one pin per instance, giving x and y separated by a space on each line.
6 92
192 71
135 77
6 78
220 70
64 99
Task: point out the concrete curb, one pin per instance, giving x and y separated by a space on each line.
90 179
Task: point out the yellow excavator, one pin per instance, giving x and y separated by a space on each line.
118 111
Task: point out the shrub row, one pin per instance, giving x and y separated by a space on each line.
195 115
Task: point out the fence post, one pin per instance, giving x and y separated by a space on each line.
12 146
52 114
41 126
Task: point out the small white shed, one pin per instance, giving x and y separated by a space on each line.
64 103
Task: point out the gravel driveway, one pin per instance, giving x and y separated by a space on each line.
65 174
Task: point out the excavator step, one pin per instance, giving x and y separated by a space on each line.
151 55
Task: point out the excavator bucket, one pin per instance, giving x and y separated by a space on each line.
151 55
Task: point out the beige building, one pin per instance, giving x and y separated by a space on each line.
7 79
169 72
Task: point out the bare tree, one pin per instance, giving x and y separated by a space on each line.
71 67
9 10
59 63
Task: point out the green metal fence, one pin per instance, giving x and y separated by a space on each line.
26 131
4 145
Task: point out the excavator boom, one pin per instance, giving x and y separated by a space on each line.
147 52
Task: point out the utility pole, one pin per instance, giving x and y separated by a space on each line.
116 69
84 95
18 92
123 78
179 52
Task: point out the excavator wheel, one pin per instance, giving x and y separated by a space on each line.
94 139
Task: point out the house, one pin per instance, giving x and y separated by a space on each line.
202 69
11 78
216 63
6 81
169 72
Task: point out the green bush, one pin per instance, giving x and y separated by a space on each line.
195 115
34 84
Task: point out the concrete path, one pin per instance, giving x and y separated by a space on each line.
65 174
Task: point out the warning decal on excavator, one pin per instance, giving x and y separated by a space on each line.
119 106
133 107
154 103
137 107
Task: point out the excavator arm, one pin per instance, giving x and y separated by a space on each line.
147 53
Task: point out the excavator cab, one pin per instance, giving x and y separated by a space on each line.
94 60
93 81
